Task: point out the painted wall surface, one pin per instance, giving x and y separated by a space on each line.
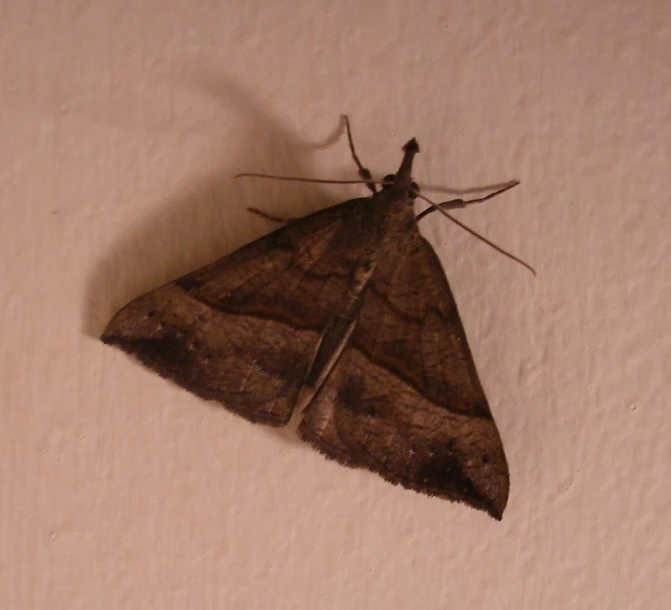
122 125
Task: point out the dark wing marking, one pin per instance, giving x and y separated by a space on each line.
405 399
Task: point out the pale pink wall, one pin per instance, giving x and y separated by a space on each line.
121 125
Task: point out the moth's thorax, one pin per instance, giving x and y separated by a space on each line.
398 209
390 214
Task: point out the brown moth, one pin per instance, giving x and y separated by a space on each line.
346 316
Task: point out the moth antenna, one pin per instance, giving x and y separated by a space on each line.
313 180
364 172
466 228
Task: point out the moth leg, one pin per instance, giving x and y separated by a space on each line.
270 217
364 173
455 204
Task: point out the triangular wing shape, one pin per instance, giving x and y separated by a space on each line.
243 330
405 400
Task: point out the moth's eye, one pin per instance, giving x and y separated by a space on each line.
388 181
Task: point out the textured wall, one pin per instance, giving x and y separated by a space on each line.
122 124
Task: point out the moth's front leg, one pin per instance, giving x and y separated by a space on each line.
270 217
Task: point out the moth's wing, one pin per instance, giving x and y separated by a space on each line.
405 399
243 329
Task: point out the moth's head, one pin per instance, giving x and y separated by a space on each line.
389 180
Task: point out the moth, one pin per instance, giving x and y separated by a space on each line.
345 317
